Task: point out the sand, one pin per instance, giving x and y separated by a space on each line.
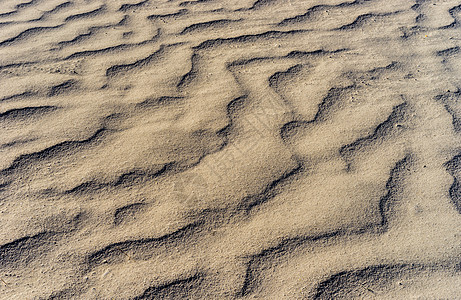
212 149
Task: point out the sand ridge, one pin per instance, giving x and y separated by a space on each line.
215 149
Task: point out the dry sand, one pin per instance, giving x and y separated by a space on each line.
212 149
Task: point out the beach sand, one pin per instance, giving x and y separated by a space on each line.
212 149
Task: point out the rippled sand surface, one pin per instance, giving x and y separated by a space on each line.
212 149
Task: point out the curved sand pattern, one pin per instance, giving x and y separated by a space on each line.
230 150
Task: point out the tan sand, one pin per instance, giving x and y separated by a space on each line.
212 149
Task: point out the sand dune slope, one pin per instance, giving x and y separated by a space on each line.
211 149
